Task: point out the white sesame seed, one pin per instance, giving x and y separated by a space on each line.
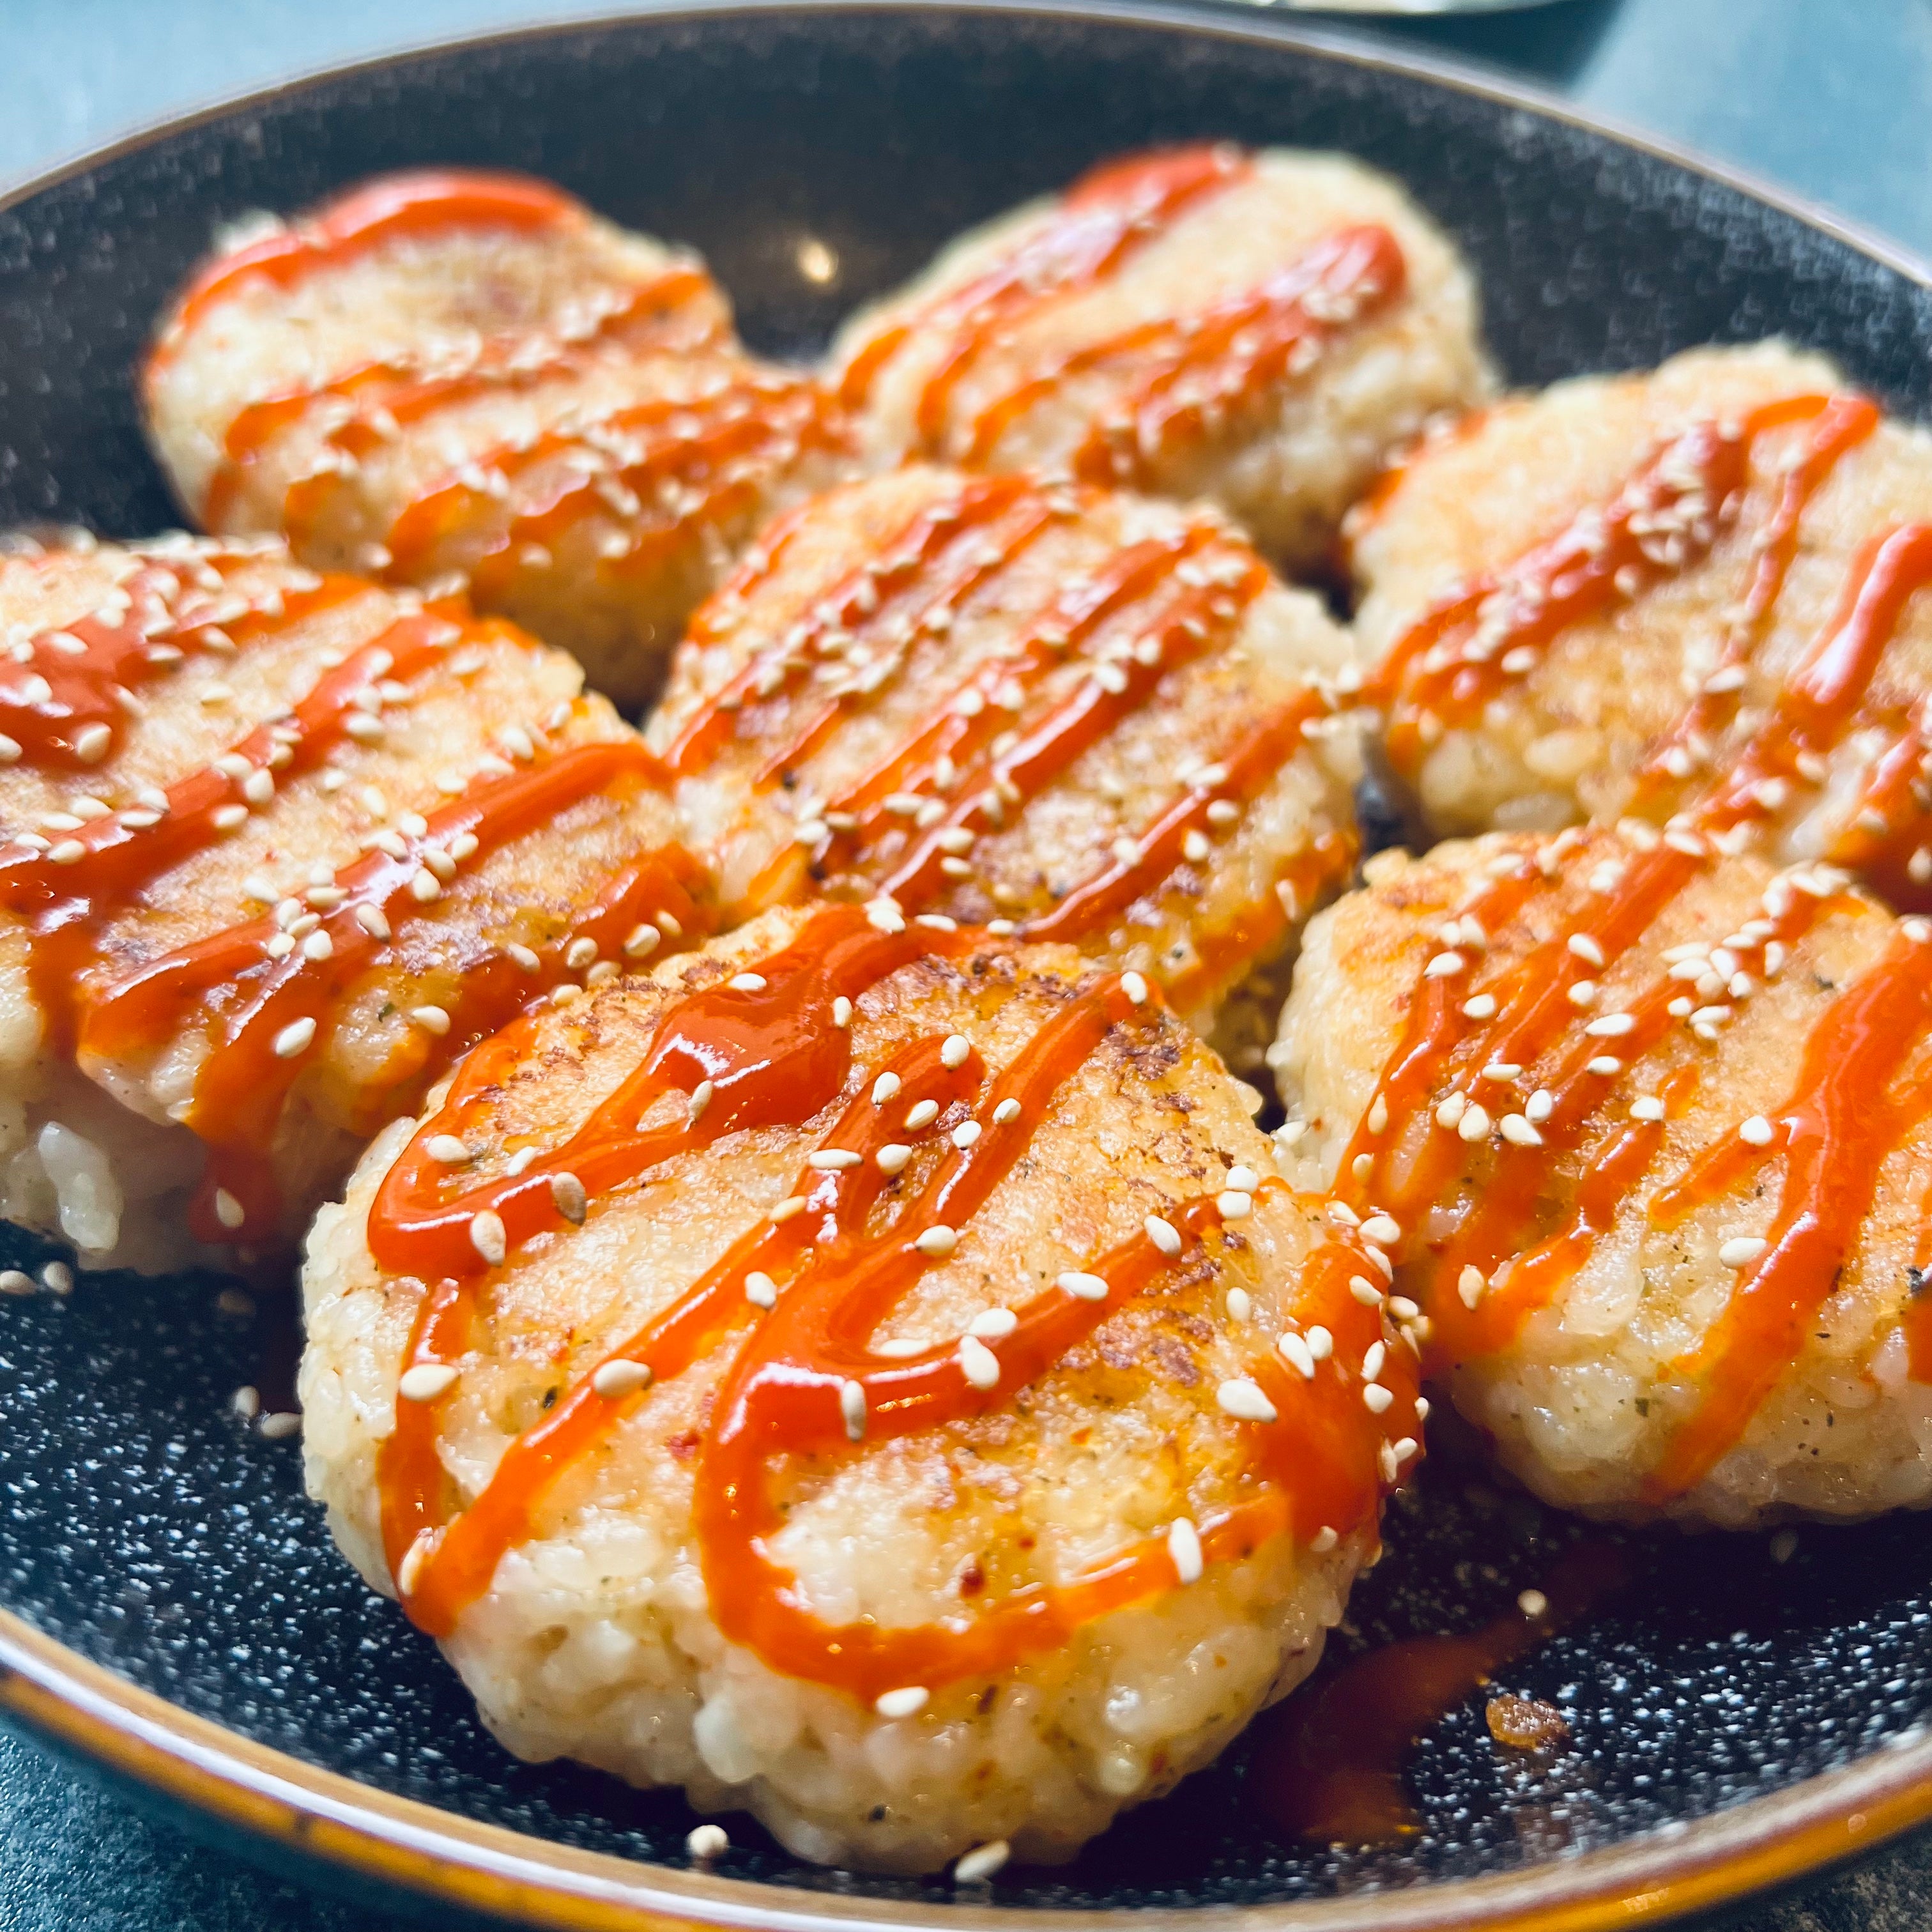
922 1114
280 1426
1474 1124
1740 1250
16 1282
1647 1107
1381 1229
522 957
978 1364
1245 1401
699 1099
1611 1026
1376 1398
1007 1112
1757 1130
1365 1290
1443 966
982 1862
642 941
892 1157
487 1237
1586 949
1482 1007
318 947
842 1011
706 1842
884 1088
619 1377
568 1194
905 1703
937 1241
954 1052
295 1038
852 1409
1294 1351
1235 1205
1373 1357
371 920
1606 1065
1164 1235
1082 1287
431 1019
967 1134
424 888
1517 1130
1321 1343
426 1382
228 1210
1136 988
1582 993
748 983
1324 1540
1184 1549
1470 1285
831 1160
1533 1604
1450 1111
760 1290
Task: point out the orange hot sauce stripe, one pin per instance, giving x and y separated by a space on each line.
1838 1126
417 203
1097 223
775 1055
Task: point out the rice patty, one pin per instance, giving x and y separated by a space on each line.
1591 601
1260 329
1081 716
445 377
276 847
851 1375
1656 1124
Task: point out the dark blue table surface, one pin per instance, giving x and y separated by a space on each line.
1828 97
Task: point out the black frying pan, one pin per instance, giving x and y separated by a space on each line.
169 1604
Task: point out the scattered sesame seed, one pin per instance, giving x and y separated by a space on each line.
831 1160
1381 1229
1757 1130
980 1863
431 1019
1482 1007
1235 1205
619 1377
1582 993
1647 1107
1740 1250
1470 1285
1606 1065
954 1052
1376 1398
448 1149
937 1241
1474 1124
426 1382
1324 1540
1365 1290
1164 1235
1611 1026
642 942
922 1114
793 1204
967 1134
852 1409
1081 1286
905 1703
1136 988
1184 1549
1321 1343
16 1282
842 1011
1007 1112
700 1099
1443 966
748 983
706 1842
1517 1130
978 1364
1245 1401
279 1425
295 1038
885 1087
1533 1604
521 956
567 1192
1294 1351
